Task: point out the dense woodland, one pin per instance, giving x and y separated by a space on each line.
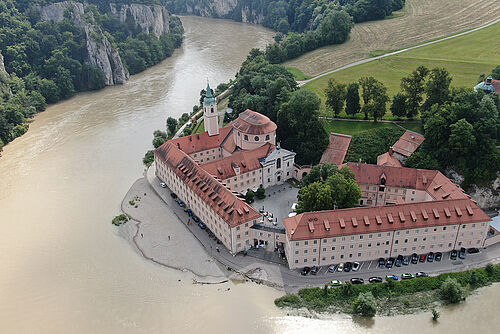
46 61
302 25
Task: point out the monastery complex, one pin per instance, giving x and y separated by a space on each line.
401 211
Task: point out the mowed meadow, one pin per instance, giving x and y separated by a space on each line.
419 21
465 57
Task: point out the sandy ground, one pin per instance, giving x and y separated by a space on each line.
421 20
150 228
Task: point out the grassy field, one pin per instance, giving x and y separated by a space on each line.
297 74
419 21
353 127
465 57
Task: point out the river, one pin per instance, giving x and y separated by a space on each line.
64 268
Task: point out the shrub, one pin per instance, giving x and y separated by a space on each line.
451 291
490 269
435 315
120 219
158 141
365 305
148 159
288 301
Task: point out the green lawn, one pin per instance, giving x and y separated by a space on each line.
353 127
465 57
297 74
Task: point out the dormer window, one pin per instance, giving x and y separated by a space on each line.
267 137
256 138
245 137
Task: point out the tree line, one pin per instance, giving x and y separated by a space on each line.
46 61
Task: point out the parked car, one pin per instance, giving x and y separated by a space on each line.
336 282
453 254
414 258
305 271
340 267
331 269
202 226
348 267
422 258
181 203
356 280
381 262
355 266
375 279
196 219
473 250
399 261
462 254
407 276
314 270
421 274
406 260
174 195
438 256
389 263
430 257
163 184
391 277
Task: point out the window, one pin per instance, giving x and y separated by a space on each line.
324 249
305 260
350 255
267 137
245 137
314 250
296 252
305 251
296 261
256 138
297 243
306 243
332 258
396 242
278 163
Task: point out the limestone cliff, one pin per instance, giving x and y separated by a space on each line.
487 197
215 8
152 19
5 91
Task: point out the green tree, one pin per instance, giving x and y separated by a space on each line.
365 305
335 96
495 73
462 141
367 90
158 141
299 127
261 193
437 87
451 291
335 27
435 314
398 106
320 173
249 196
315 197
171 125
148 159
352 106
413 87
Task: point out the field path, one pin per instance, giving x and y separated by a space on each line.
302 83
419 21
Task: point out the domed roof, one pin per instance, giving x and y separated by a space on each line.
253 123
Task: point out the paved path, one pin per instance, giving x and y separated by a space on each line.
359 62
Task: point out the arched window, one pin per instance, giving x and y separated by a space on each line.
212 110
256 138
278 163
245 137
267 137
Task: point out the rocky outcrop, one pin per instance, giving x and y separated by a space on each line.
251 16
5 91
100 52
152 19
215 8
487 197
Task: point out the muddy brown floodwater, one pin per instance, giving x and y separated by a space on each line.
64 268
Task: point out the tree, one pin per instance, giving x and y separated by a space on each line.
451 291
375 97
398 106
367 87
495 73
158 141
319 173
365 304
299 127
249 196
149 158
335 96
352 106
315 197
435 314
462 141
437 87
335 27
171 125
261 193
413 87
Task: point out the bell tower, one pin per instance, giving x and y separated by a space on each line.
210 119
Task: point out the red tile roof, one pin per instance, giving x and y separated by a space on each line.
246 160
387 159
337 148
253 123
202 141
496 85
408 143
226 204
387 218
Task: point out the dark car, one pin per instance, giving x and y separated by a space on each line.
196 219
375 279
421 274
406 260
202 226
462 254
356 280
347 267
414 258
399 261
381 262
422 258
453 254
173 195
181 203
305 271
389 263
473 250
438 256
430 257
314 270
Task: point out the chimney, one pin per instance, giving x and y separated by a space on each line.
390 151
178 146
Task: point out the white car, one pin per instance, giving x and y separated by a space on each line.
355 266
163 185
331 269
294 206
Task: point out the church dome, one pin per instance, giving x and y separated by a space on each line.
253 123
